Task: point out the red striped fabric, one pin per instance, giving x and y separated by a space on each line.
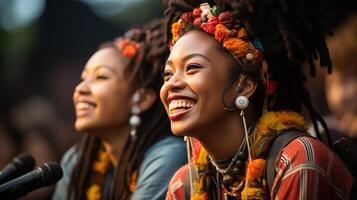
306 170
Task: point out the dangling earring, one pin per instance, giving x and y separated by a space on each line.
135 120
242 102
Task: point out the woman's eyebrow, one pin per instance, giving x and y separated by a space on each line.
104 66
189 56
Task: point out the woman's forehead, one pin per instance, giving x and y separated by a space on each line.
194 42
198 42
107 56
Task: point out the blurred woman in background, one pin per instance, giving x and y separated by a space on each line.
128 151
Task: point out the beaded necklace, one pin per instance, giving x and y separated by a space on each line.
251 183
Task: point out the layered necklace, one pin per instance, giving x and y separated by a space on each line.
243 178
232 168
231 171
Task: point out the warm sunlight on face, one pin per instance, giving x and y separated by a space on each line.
102 99
195 76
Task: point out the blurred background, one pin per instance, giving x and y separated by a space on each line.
44 45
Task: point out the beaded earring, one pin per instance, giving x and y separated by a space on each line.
242 103
235 169
135 120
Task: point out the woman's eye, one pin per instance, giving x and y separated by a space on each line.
193 66
167 75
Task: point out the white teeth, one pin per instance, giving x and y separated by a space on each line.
84 106
180 104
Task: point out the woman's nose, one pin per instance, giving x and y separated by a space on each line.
82 87
176 82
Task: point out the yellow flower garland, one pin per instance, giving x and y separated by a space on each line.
94 192
100 168
133 179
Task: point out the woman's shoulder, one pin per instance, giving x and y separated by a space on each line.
311 164
176 188
70 157
307 149
309 152
159 164
166 145
169 152
68 161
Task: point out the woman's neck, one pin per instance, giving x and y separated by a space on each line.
223 139
114 142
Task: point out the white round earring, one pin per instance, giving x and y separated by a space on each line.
241 102
135 120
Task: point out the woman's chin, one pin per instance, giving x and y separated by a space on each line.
82 127
178 133
181 131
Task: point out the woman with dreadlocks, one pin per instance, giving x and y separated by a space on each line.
128 151
233 85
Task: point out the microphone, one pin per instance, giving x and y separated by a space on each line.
20 165
45 175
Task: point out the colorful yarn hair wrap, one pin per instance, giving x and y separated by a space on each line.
232 35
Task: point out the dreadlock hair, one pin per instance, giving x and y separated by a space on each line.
143 71
292 34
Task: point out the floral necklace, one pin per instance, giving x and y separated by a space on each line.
100 169
252 185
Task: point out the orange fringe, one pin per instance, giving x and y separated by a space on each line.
255 170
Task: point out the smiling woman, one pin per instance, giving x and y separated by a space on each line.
102 89
185 77
233 84
127 151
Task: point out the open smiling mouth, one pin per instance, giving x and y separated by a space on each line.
83 108
179 107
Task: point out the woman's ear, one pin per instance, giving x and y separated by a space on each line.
147 99
246 86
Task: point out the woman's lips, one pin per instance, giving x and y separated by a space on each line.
178 114
179 107
84 108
